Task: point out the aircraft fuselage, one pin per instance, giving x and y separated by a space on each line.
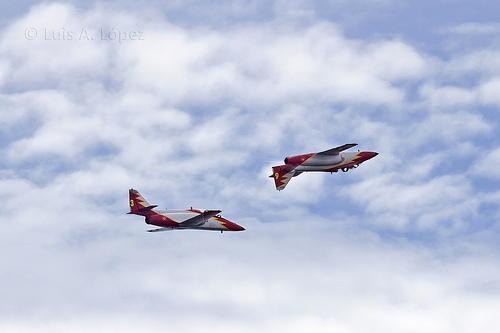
326 163
174 218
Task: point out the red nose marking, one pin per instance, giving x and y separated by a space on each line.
366 155
231 225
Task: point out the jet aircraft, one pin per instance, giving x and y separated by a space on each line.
330 160
179 219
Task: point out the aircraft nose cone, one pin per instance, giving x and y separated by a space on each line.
371 154
236 227
231 225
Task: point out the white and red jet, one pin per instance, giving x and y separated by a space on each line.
331 160
179 219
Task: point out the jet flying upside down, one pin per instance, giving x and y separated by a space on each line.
331 160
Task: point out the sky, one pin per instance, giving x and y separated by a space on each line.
191 103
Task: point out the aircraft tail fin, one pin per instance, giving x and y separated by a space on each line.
138 205
282 175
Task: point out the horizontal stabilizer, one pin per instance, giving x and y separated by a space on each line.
160 229
143 209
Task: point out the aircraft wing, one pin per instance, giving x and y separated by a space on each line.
199 219
337 150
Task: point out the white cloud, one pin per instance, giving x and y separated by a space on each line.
483 62
487 166
177 68
488 91
421 205
396 60
128 280
45 46
200 65
451 127
196 116
207 101
447 96
474 28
